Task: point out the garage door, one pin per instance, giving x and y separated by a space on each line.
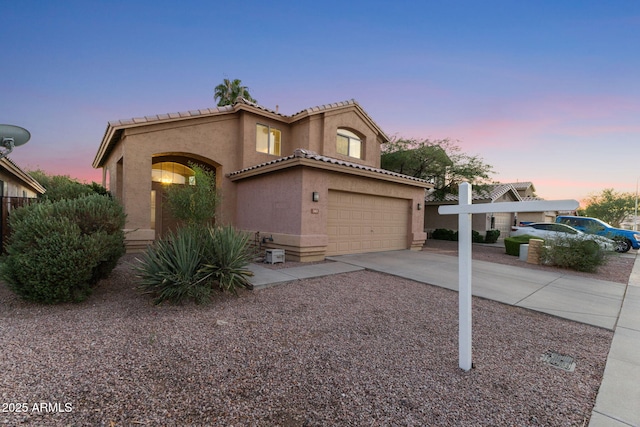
503 222
364 223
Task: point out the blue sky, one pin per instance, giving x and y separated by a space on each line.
544 91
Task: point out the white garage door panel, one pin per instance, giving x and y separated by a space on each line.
365 223
503 222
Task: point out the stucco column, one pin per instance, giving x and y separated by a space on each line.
137 201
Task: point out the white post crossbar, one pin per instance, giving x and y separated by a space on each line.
464 210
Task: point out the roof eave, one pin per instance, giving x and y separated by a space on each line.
300 161
23 176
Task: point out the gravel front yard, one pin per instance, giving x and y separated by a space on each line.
361 349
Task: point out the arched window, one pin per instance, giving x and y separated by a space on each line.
349 144
172 173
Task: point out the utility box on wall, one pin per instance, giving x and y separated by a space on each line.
273 256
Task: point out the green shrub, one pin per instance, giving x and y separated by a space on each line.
58 250
476 237
575 254
190 263
512 244
444 234
194 204
492 236
60 187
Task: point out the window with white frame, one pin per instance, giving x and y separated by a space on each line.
349 144
268 140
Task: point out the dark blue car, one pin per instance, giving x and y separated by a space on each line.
626 239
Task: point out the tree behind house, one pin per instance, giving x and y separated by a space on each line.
442 162
227 92
609 206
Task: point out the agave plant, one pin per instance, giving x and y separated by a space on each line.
227 258
171 269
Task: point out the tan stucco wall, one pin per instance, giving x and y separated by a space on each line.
249 155
271 203
280 204
353 121
214 139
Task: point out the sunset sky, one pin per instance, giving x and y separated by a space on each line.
545 91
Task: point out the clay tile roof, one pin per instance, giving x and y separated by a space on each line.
168 116
311 155
521 185
324 107
492 193
241 100
225 108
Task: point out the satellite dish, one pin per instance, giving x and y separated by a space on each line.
11 137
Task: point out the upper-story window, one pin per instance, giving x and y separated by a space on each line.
268 140
349 144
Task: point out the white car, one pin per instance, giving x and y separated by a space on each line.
550 230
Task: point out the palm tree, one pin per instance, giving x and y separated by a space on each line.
229 91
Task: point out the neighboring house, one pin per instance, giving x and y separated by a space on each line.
479 222
495 193
525 190
527 193
16 189
311 181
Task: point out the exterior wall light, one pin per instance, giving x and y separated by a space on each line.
315 196
419 206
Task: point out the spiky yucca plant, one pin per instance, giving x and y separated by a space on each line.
170 269
228 258
189 263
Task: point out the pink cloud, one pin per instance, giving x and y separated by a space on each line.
533 120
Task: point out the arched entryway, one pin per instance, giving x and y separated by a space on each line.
172 169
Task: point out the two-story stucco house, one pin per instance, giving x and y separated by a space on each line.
312 180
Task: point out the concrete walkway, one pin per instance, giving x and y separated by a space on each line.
600 303
618 402
265 277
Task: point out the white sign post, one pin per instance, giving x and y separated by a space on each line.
464 210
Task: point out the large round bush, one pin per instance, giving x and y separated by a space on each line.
58 250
